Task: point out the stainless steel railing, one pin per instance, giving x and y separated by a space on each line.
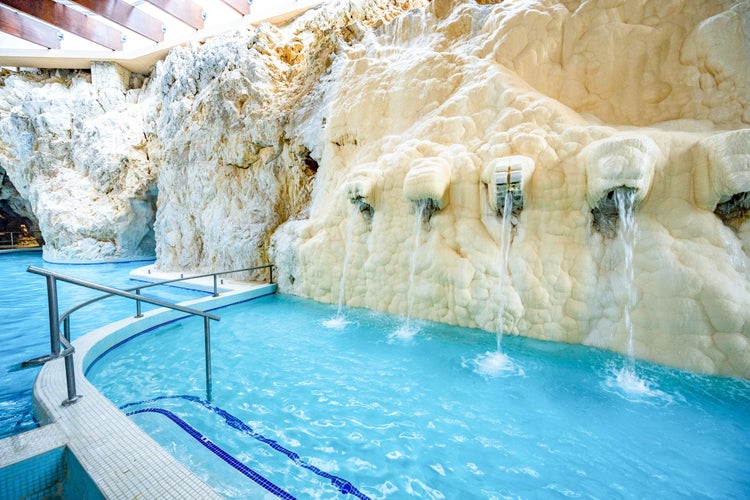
57 339
4 242
137 289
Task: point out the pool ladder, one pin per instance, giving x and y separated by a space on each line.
60 343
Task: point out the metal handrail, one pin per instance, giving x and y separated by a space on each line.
115 291
183 278
138 288
12 243
56 339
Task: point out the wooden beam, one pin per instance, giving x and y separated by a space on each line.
241 6
71 20
28 28
126 16
186 11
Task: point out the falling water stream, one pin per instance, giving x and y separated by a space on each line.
407 331
504 254
497 363
626 377
339 321
624 199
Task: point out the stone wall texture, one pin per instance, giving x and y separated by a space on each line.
309 146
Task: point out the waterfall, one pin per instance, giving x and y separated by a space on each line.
405 331
419 216
626 378
505 237
339 321
626 234
495 363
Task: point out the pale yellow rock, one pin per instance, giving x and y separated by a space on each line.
428 179
609 104
722 167
257 142
620 161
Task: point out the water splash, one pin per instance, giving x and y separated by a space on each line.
403 333
495 364
624 382
628 381
338 322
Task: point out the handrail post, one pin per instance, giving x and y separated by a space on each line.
270 274
216 293
70 375
138 313
207 339
54 325
55 319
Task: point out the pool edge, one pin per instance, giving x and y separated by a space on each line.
121 459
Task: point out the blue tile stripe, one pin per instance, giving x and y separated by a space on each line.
216 450
341 484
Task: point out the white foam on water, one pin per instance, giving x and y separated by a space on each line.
495 364
337 322
404 333
626 383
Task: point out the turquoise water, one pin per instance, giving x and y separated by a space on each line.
314 411
54 474
25 332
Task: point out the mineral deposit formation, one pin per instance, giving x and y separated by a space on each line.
268 145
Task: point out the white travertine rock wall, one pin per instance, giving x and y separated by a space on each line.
76 155
223 153
645 94
225 126
263 145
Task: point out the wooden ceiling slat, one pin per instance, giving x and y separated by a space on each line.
69 19
28 28
126 16
186 11
241 6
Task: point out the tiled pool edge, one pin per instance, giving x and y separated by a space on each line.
122 460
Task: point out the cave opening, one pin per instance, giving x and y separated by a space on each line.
17 231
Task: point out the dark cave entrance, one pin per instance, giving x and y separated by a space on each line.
18 226
17 231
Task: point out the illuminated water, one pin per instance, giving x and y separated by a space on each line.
25 331
315 411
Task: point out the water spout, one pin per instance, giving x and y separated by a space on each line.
608 213
363 188
507 176
427 185
623 161
509 191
